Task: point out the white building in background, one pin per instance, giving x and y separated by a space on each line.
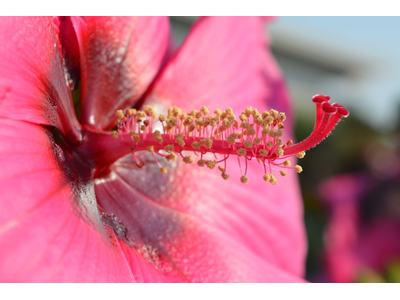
318 63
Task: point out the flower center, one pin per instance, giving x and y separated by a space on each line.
253 136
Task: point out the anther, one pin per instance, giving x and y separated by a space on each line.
188 160
279 152
298 168
244 179
150 148
172 157
120 114
211 164
301 154
201 162
225 176
266 177
241 151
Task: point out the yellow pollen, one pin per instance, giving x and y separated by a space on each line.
283 173
136 137
279 152
196 145
273 133
280 132
163 170
301 154
131 112
225 176
270 144
234 135
250 131
266 177
269 120
143 127
248 111
286 163
274 113
172 157
244 179
279 142
230 140
208 143
257 141
188 160
114 134
211 164
169 148
265 114
180 142
245 125
120 114
201 163
298 168
263 152
229 111
248 144
241 151
150 148
157 136
222 169
265 132
218 112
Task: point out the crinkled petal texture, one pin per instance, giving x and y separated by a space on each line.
49 225
119 59
32 81
60 224
191 223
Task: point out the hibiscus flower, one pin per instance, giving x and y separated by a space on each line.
74 213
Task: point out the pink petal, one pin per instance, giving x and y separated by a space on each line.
119 59
32 82
70 48
44 230
201 233
224 63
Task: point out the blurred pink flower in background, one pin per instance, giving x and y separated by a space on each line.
65 218
362 240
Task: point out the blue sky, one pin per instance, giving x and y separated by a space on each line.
378 36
